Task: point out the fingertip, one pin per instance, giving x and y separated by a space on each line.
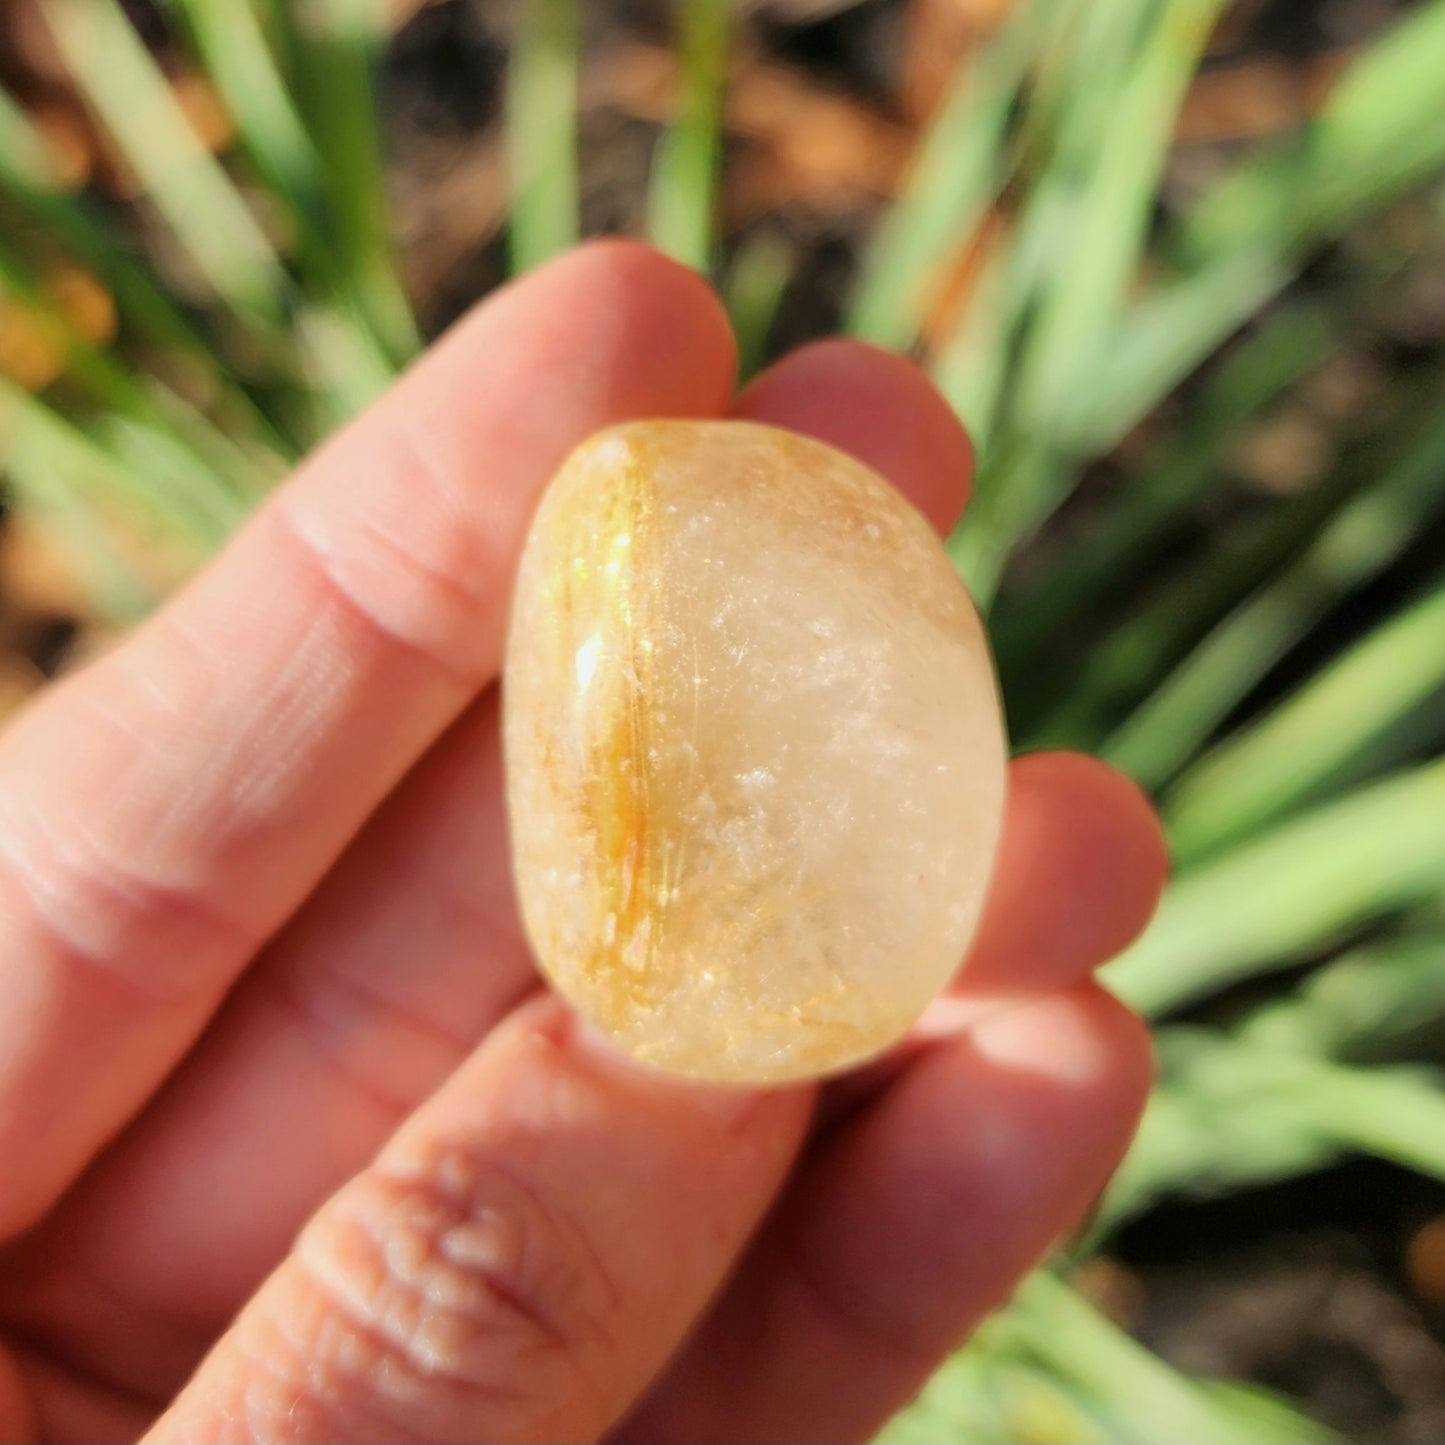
1071 1074
1099 1113
1085 792
1081 866
877 406
1074 1036
1088 1040
1005 1132
675 305
1064 1079
656 328
1131 1046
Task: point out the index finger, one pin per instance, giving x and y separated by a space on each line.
164 811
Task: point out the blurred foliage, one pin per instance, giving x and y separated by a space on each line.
1113 332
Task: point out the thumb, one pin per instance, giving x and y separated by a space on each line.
518 1262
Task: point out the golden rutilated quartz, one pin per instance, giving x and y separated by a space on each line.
755 756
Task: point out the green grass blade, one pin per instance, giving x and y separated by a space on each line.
66 221
542 131
1123 537
1265 1416
988 1396
1363 537
962 1402
978 371
1286 755
977 365
1168 333
1232 1113
182 484
222 467
756 283
53 472
1149 1399
1067 107
1114 178
1071 259
336 368
277 21
972 365
959 170
1049 1367
25 165
1394 1114
1362 1006
1214 1125
1298 552
114 590
210 220
1124 666
36 441
336 48
1012 474
1380 133
56 221
1274 900
238 61
681 199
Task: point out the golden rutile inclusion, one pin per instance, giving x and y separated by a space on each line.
754 750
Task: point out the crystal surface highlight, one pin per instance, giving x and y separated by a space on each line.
755 756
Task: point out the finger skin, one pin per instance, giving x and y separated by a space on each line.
878 407
518 1263
908 1225
165 810
407 954
17 1415
1081 865
71 1410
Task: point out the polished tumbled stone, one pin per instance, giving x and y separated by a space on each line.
754 750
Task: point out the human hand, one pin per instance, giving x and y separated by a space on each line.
296 1146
